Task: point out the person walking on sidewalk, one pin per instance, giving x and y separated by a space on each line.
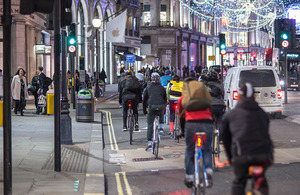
19 91
35 84
155 99
102 77
42 88
247 140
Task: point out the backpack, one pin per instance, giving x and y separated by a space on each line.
47 82
131 85
176 88
195 96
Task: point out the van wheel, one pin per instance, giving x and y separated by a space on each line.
277 115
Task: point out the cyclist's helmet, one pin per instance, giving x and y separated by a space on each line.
247 90
212 75
155 77
167 72
128 72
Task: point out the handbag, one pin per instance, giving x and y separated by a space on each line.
31 87
42 101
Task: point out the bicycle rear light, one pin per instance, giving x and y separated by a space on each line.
129 104
176 106
235 95
255 170
199 141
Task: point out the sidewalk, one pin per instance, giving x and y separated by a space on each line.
33 154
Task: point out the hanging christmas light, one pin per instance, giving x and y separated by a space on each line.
240 15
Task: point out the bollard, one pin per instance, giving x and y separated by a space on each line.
50 103
1 113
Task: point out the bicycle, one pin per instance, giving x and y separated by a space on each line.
156 135
177 127
256 176
200 176
130 121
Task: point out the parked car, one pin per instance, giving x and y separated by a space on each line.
266 84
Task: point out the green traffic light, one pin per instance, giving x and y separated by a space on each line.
284 36
72 41
223 46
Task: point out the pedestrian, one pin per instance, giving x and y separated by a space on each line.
247 140
19 91
42 89
69 81
103 77
35 84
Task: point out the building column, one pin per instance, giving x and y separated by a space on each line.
155 18
18 46
31 57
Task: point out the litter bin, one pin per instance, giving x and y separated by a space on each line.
85 106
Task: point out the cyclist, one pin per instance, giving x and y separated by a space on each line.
155 98
197 121
130 90
247 140
164 80
174 90
216 91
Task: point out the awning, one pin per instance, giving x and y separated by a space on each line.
137 58
268 53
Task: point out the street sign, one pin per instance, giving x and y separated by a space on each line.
72 48
285 43
130 58
211 58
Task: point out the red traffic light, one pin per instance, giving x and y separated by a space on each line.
254 55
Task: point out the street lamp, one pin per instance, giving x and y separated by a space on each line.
97 24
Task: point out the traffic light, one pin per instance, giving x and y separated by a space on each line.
284 33
71 40
30 6
66 15
222 43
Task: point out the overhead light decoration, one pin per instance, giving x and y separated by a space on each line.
237 15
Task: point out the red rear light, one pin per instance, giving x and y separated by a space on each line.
279 93
235 95
199 141
129 104
176 107
254 68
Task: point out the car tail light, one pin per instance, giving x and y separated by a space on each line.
235 95
279 93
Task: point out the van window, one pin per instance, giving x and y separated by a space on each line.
258 78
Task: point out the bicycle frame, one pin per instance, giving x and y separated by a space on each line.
130 120
177 127
155 137
256 175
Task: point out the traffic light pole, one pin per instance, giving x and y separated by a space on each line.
97 90
7 148
71 58
66 122
222 67
57 141
286 76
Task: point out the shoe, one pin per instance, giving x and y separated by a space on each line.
149 148
44 113
171 134
124 128
22 113
15 111
136 127
209 182
188 183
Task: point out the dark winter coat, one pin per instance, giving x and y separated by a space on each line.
154 94
130 89
246 130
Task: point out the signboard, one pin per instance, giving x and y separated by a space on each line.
72 48
43 49
211 58
130 58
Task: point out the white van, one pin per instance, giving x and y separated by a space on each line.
265 82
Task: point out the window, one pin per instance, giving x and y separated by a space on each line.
163 12
146 15
146 40
258 78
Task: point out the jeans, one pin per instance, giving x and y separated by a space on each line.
240 169
190 129
172 110
152 110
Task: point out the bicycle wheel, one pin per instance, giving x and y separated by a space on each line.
175 133
155 139
157 143
130 125
199 180
216 149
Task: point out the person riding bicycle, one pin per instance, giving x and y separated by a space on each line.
216 90
174 90
130 90
247 140
155 99
196 121
164 80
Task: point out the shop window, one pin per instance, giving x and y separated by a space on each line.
146 15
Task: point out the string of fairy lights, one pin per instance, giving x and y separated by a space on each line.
239 15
